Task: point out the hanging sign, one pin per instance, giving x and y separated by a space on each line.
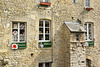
14 46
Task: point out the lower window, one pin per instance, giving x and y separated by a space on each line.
45 64
18 32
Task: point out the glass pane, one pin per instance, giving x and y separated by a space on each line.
46 0
22 35
15 25
22 25
47 64
15 35
41 30
77 37
40 64
40 36
46 37
46 23
87 3
41 24
90 31
46 30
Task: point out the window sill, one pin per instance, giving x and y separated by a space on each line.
44 40
88 8
45 3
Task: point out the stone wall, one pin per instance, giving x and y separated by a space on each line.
23 11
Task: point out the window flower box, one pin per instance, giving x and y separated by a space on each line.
89 8
45 3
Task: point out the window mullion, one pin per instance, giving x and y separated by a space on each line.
44 65
87 31
44 31
18 31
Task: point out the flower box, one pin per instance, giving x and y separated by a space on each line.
45 3
89 8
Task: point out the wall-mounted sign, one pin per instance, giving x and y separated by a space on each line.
20 45
14 46
44 44
91 43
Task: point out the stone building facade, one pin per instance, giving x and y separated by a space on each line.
37 28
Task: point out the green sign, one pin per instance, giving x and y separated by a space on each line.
44 44
21 45
91 43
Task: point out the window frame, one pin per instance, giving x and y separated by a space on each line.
87 31
87 3
18 41
44 40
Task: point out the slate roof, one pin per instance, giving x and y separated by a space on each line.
75 27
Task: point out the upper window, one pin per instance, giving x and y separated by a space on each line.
87 3
89 31
44 30
44 0
75 1
18 32
45 64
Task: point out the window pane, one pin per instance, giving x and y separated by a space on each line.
22 25
15 35
46 37
15 25
22 32
46 0
22 35
40 36
87 3
46 23
41 0
90 31
47 30
40 64
77 37
41 24
47 64
41 30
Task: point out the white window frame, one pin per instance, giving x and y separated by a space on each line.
44 31
75 1
44 0
19 32
87 31
87 3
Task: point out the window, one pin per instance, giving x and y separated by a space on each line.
44 30
89 31
74 1
44 0
45 64
87 3
88 63
18 32
77 37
